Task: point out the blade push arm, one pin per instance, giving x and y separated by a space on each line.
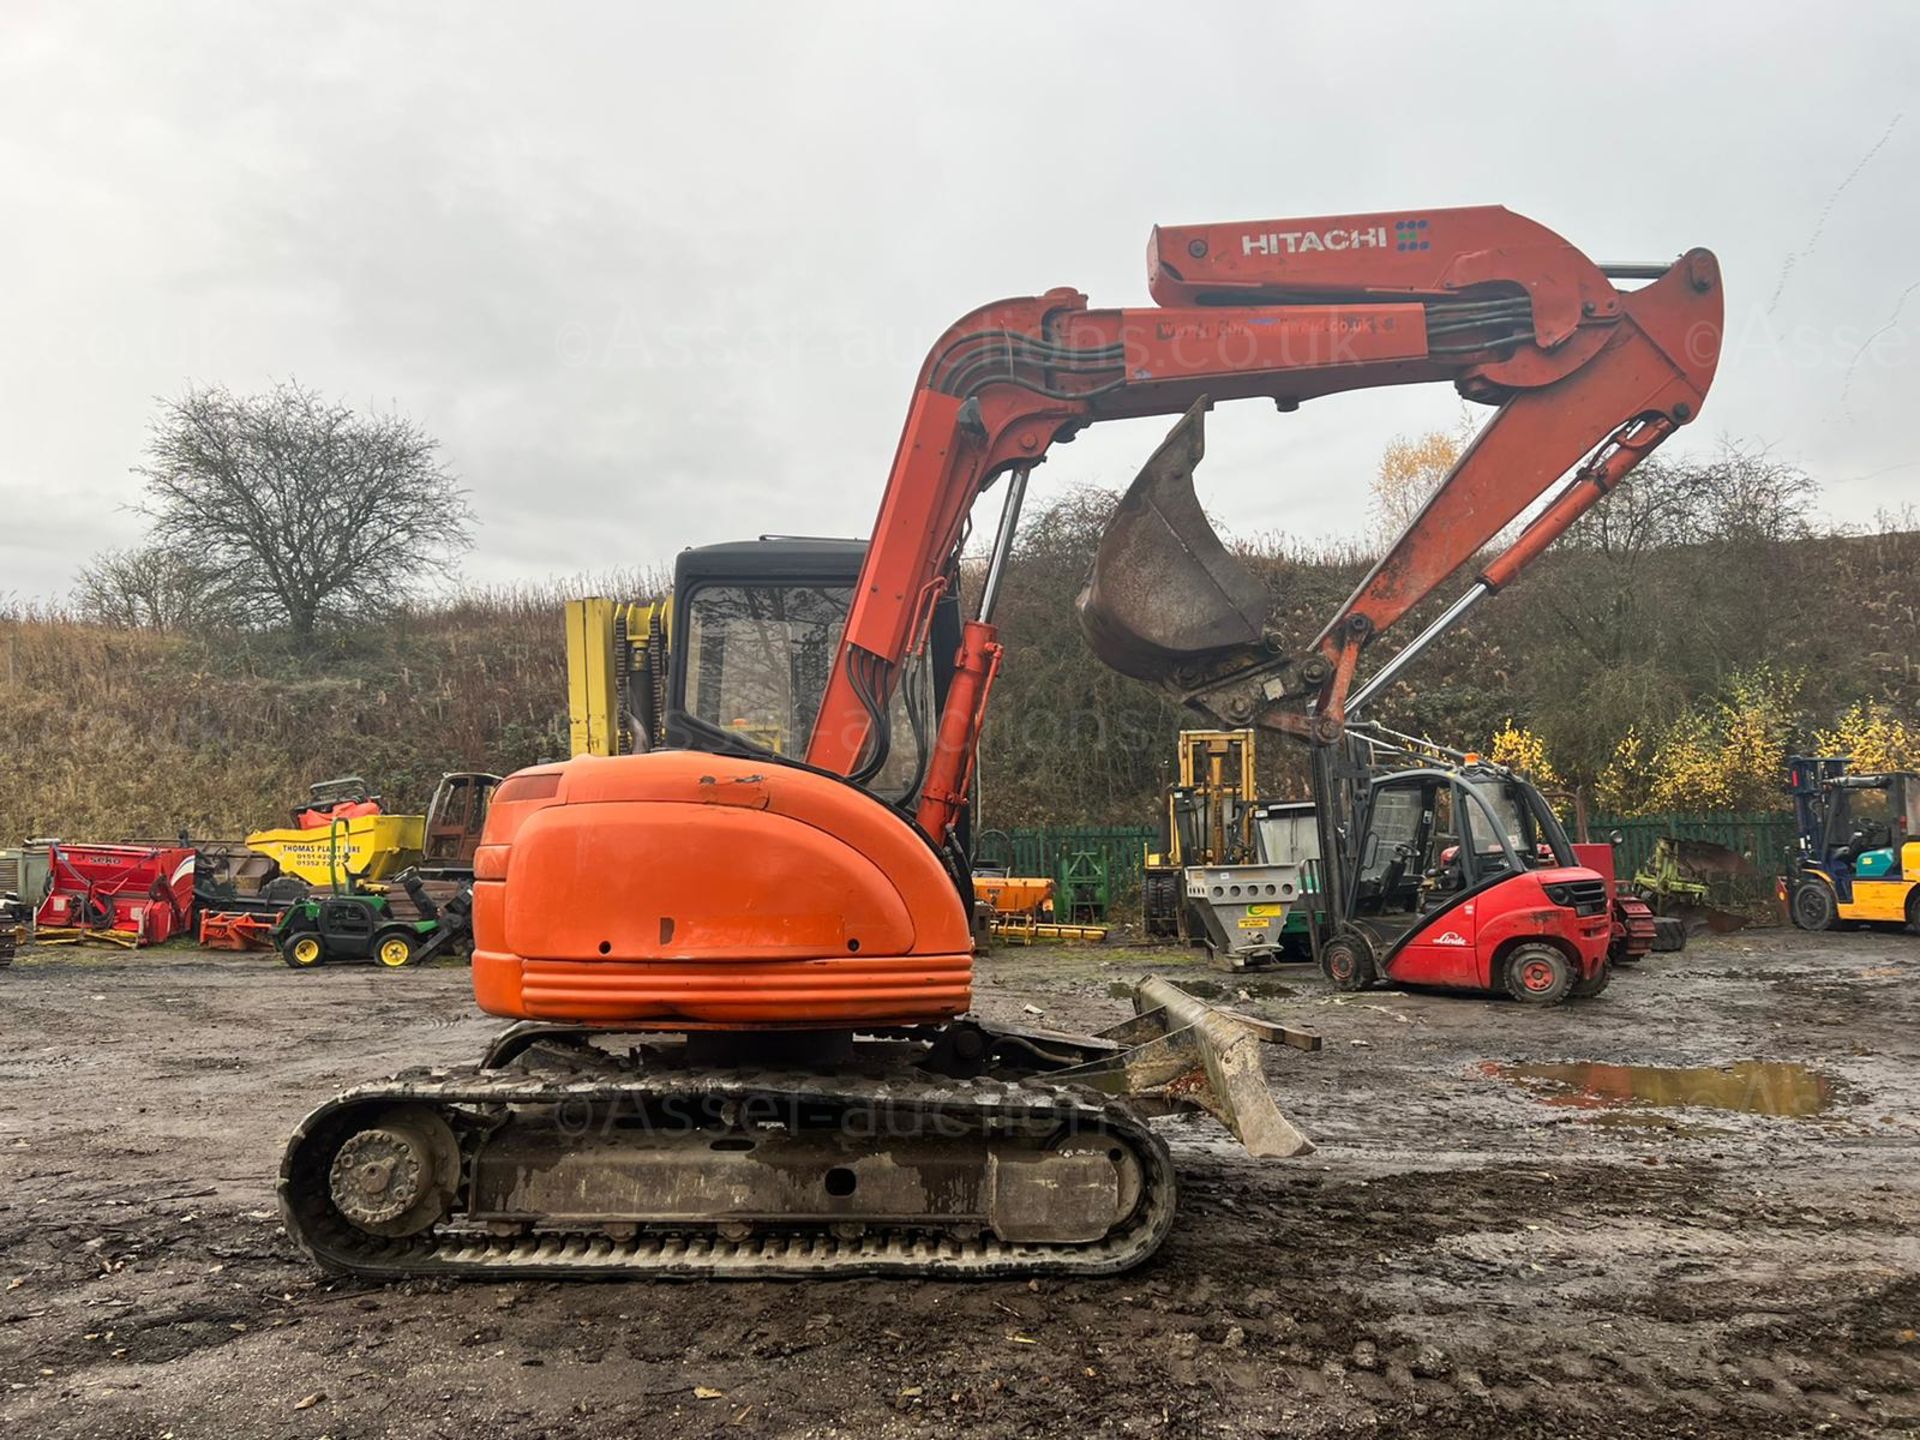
1285 310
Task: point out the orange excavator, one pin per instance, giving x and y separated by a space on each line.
740 963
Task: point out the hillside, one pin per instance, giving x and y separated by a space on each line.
113 733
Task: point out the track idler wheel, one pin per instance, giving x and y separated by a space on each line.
397 1175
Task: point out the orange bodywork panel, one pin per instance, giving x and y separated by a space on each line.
679 888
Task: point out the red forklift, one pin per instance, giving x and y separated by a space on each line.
1442 870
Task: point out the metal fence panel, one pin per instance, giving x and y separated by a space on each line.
1037 851
1762 838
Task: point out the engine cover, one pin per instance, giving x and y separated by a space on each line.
679 887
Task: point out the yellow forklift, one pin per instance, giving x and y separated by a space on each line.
1207 818
1856 851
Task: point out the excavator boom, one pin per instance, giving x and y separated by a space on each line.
1287 310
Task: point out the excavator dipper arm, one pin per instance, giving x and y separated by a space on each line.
1285 310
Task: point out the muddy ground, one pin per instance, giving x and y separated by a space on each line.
1465 1254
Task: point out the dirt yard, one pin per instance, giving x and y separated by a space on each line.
1468 1253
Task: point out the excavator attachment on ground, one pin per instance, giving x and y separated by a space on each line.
1705 885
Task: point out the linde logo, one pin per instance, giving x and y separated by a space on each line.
1304 242
1452 937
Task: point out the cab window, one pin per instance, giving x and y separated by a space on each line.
758 658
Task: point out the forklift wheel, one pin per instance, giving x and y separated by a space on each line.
1669 933
393 950
303 952
1347 964
1814 907
1587 989
1913 909
1539 974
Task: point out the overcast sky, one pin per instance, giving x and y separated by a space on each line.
659 277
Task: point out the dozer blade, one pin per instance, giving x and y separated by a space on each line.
1164 593
1183 1052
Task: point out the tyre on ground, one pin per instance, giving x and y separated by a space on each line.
1347 963
1539 974
303 951
1813 905
395 949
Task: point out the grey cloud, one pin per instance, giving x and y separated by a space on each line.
660 276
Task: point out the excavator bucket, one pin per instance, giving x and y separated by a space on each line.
1164 593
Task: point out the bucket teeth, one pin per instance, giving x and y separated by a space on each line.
1163 591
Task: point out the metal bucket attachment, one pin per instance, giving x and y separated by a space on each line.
1164 592
1183 1053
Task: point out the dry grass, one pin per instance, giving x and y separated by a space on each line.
115 733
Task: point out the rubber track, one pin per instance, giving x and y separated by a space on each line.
793 1253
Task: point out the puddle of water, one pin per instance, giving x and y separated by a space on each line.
1753 1087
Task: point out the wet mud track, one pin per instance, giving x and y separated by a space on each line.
1475 1249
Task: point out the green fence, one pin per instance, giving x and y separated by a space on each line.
1762 838
1038 851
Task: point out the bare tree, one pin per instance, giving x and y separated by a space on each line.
154 587
309 511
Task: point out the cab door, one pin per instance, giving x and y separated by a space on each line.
1440 949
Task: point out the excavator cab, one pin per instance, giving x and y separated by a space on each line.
757 626
735 660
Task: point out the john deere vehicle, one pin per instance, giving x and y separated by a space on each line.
1856 856
353 925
